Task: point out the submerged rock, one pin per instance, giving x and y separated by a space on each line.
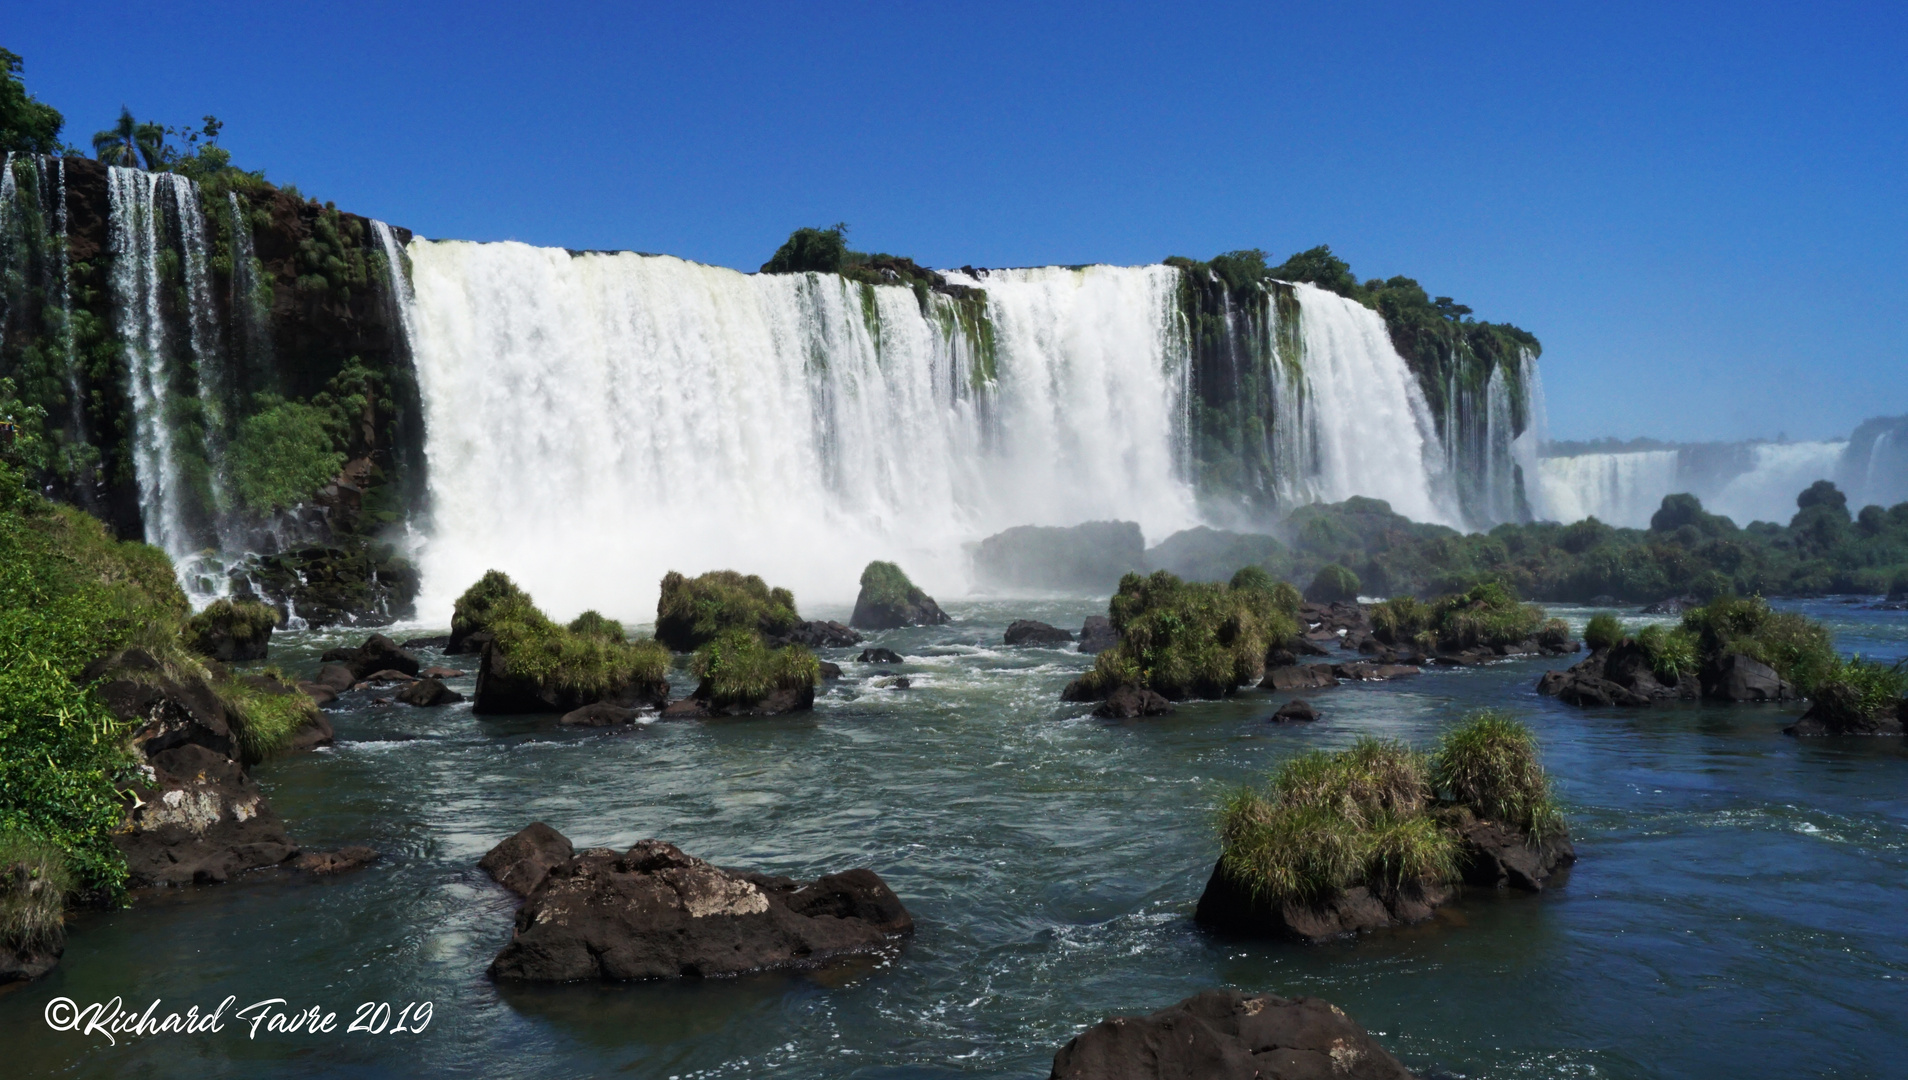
1128 702
1297 710
1098 635
1299 677
343 860
699 706
655 912
1029 632
817 635
880 656
425 693
600 714
1229 1035
828 670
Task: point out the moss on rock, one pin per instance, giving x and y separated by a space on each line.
1188 639
692 611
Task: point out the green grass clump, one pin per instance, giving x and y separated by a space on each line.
1673 652
1856 690
885 584
1603 631
269 710
472 612
1489 763
1798 648
1327 822
35 883
565 659
692 611
595 624
69 594
738 668
243 620
1375 814
1188 639
1332 583
1482 616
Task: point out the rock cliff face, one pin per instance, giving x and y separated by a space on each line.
127 294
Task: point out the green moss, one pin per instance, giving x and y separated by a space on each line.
282 456
738 668
1184 640
885 584
35 882
471 613
692 611
241 620
596 624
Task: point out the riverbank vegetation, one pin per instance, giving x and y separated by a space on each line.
1184 639
1382 815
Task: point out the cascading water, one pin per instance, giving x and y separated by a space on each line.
1778 471
1616 489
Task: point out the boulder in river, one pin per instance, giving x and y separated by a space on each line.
231 630
1297 710
524 859
888 600
378 653
425 693
1029 632
1098 635
818 635
880 656
1299 677
1229 1035
1128 702
601 714
655 912
1739 678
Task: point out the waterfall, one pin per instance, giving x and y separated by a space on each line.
1777 473
1760 482
1617 489
251 290
1372 428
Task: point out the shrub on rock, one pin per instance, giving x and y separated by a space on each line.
471 614
692 611
741 675
1857 697
1603 631
889 600
35 883
231 630
1332 584
532 664
1185 639
595 624
1485 616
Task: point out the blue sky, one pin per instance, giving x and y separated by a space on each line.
1702 210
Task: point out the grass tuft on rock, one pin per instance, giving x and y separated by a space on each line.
35 883
1188 639
1486 615
738 668
268 710
692 612
1489 763
595 624
242 621
1798 648
1603 631
471 614
563 658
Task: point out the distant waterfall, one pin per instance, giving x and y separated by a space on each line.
1616 489
1744 482
1778 472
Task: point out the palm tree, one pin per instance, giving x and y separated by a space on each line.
128 142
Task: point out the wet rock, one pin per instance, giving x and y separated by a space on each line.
830 670
1295 710
319 695
425 693
1738 678
880 656
1098 635
441 641
441 673
1615 676
522 861
1836 709
378 653
898 682
27 964
343 860
336 678
165 712
501 690
655 912
1231 908
599 715
1029 632
817 635
1229 1035
1129 702
198 819
385 678
1495 855
699 706
312 734
1299 677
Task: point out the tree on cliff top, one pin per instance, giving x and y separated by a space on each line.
27 126
822 250
130 143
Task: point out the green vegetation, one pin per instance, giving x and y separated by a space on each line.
27 125
594 623
269 711
692 611
1687 551
1850 693
1798 648
1189 640
884 584
1603 631
582 661
69 594
1377 814
283 454
806 250
1332 584
242 621
34 886
738 668
1484 616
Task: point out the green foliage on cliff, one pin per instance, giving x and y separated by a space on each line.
69 594
738 668
27 125
1189 639
692 611
555 656
284 453
805 250
238 619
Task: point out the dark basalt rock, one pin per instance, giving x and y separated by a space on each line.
655 912
441 641
229 640
1495 855
336 678
500 691
880 656
1229 1035
872 615
25 965
198 819
817 635
425 693
378 653
1029 632
385 677
698 706
441 673
1098 635
1129 701
1359 671
830 670
1738 678
522 861
327 863
1837 710
1616 676
165 713
599 715
313 734
1299 677
1296 710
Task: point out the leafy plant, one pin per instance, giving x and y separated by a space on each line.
1489 763
283 454
1183 639
692 611
35 883
1603 631
738 668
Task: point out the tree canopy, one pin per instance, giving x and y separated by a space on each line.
27 125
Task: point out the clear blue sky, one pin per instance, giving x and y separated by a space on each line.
1702 210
